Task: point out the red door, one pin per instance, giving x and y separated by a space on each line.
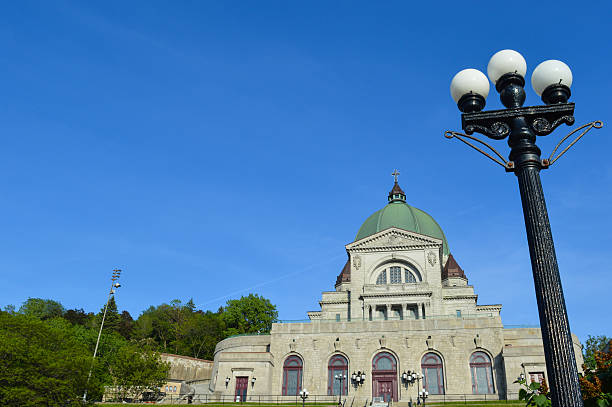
242 383
385 390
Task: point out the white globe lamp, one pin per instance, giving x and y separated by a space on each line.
469 89
504 62
552 80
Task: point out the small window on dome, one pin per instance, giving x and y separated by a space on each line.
395 275
382 278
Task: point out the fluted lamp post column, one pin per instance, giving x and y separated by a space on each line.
521 125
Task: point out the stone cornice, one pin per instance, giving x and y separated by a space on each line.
333 302
460 297
492 307
314 314
394 239
394 248
397 294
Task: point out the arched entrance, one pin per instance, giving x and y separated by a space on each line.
384 376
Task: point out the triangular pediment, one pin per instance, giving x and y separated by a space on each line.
394 239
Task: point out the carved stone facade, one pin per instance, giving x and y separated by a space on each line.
401 294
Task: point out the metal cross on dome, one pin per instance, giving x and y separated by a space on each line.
395 173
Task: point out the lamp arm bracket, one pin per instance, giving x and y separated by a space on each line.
508 165
598 124
496 124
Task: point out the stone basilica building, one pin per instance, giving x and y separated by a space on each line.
401 303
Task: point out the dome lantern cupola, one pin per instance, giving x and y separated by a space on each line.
396 194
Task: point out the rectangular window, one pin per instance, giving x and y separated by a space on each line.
337 317
536 377
458 313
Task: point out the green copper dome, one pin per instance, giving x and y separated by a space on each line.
403 216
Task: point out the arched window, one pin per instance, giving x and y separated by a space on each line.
395 275
482 373
382 278
292 376
338 366
410 277
384 362
433 373
410 269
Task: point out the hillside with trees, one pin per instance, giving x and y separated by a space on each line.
46 350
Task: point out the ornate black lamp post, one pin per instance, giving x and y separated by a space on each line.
551 80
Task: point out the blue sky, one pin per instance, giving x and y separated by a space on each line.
212 149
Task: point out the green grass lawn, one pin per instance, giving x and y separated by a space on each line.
432 404
225 405
477 403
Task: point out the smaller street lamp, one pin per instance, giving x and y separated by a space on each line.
358 378
303 395
415 377
340 377
423 395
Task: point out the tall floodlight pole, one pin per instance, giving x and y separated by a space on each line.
114 286
551 80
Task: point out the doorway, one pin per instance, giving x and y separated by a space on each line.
385 390
242 384
384 377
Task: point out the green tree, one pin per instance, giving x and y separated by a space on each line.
41 308
596 383
112 320
156 323
110 343
135 369
10 309
592 345
251 314
202 333
78 317
126 325
42 363
181 328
